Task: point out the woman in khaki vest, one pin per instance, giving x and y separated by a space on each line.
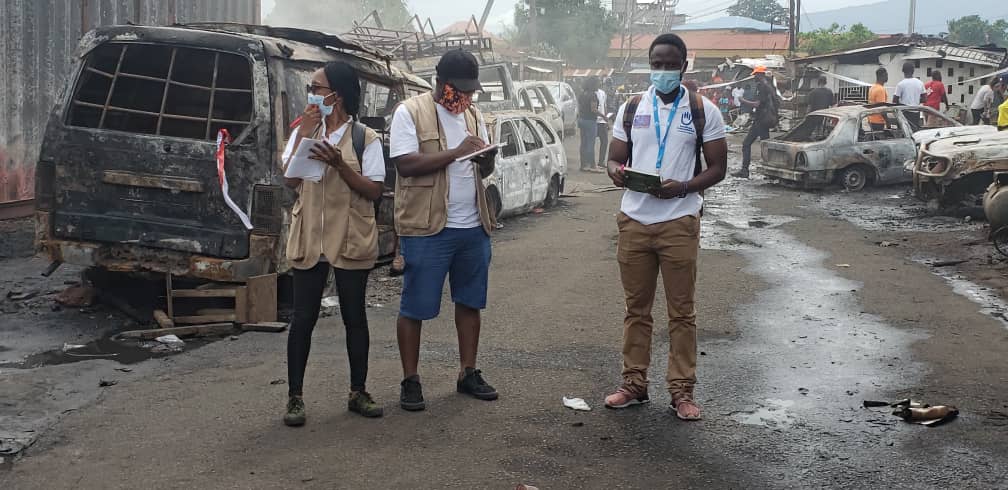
333 227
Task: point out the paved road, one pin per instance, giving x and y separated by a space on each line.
791 345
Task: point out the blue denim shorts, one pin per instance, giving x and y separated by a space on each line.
463 255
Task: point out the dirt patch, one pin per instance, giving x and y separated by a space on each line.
17 238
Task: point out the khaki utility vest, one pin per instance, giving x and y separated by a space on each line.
331 219
421 203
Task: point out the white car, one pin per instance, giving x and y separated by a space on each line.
536 97
564 94
531 167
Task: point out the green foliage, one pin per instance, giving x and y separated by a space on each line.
834 38
763 10
975 31
579 31
337 16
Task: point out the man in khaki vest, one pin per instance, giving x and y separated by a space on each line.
442 217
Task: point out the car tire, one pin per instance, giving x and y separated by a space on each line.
854 178
552 193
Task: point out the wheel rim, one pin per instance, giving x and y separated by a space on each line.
854 179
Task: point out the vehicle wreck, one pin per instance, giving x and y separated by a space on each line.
853 146
957 171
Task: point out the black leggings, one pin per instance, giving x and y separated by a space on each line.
308 288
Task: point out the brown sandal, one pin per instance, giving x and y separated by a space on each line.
686 402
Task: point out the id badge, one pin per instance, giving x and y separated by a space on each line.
642 121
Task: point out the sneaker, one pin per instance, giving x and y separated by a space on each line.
625 397
741 174
362 403
295 416
474 385
411 394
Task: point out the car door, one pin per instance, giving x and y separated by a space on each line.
512 170
551 109
557 163
537 162
884 149
571 106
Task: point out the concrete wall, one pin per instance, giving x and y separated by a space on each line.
37 41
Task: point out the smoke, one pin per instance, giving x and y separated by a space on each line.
336 16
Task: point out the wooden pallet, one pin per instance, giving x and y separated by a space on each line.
255 302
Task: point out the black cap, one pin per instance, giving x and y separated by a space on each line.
460 69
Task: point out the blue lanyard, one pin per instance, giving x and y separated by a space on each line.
668 125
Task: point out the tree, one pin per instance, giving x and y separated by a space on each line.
975 31
337 16
769 11
579 31
834 38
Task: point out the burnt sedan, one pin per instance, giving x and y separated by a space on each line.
853 146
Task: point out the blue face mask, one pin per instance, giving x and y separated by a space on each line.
319 100
666 81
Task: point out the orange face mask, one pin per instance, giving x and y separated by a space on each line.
454 100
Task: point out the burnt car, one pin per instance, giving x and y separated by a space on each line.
853 146
127 178
958 170
531 167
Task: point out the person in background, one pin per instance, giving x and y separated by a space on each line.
748 93
443 217
935 95
821 97
724 102
603 129
588 116
333 228
998 99
764 119
910 92
659 231
1002 120
737 94
877 94
980 106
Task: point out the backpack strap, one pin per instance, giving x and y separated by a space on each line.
357 136
628 116
699 116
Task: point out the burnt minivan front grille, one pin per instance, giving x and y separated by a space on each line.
266 217
164 90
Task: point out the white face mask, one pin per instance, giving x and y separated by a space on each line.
319 100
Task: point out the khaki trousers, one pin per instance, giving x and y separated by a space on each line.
643 251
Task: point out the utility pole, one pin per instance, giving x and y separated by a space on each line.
913 17
533 25
797 22
791 26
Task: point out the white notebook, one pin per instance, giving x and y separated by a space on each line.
300 166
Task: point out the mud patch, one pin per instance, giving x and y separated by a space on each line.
120 351
772 414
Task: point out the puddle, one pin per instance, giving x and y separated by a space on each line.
881 210
773 414
990 302
122 352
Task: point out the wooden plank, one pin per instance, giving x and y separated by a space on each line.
217 311
162 319
272 327
152 181
200 319
168 295
241 304
204 293
189 331
262 294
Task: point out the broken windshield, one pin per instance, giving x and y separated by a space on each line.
814 128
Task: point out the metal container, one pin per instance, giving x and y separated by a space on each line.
995 204
37 43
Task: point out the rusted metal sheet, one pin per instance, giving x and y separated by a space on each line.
38 39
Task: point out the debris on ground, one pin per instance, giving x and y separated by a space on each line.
77 296
210 329
948 263
273 327
330 302
843 266
522 486
576 404
124 369
21 295
107 382
279 381
67 347
916 412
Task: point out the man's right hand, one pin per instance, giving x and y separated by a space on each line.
310 120
469 145
615 173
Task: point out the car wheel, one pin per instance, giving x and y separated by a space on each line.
552 193
854 179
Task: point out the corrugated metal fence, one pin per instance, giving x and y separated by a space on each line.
38 38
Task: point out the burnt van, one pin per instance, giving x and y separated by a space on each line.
127 178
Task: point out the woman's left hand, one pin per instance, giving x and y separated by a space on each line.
328 154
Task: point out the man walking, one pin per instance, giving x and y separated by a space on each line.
877 94
603 127
441 213
764 119
981 103
663 132
588 127
910 92
934 96
821 97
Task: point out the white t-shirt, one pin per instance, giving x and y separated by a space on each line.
737 94
910 91
462 209
982 98
680 157
601 105
373 166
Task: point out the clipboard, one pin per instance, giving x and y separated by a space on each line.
638 181
480 152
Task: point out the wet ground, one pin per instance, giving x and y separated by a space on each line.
802 313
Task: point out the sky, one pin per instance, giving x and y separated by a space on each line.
444 12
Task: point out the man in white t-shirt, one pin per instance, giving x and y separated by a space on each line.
660 230
603 128
910 91
737 94
442 218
